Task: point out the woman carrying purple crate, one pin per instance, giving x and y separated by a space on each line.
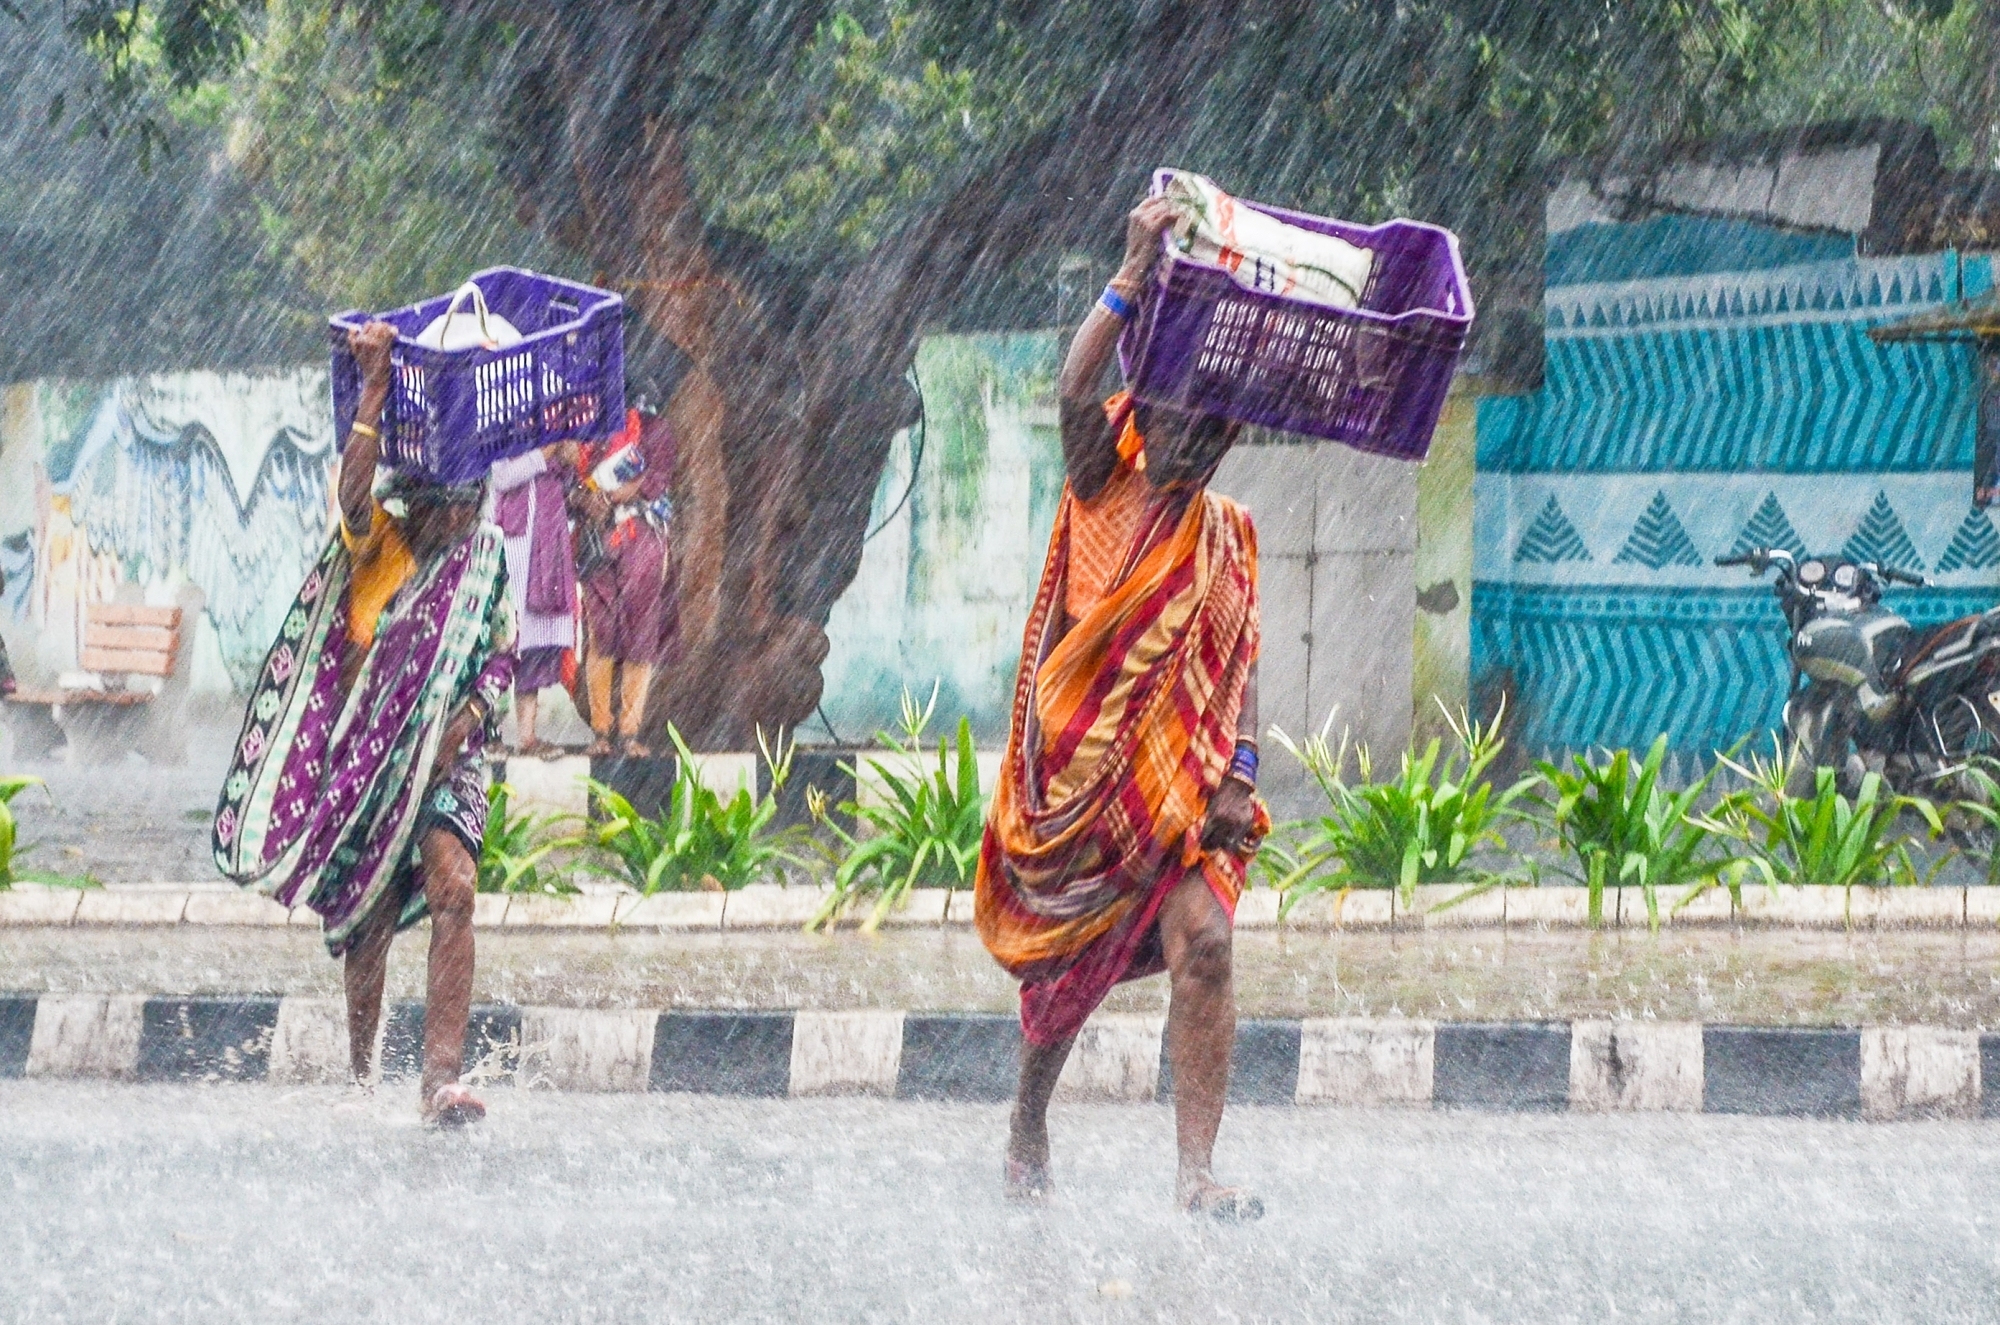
1126 811
529 506
358 784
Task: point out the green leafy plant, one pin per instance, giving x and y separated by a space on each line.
925 834
1825 839
1424 826
11 850
700 839
511 859
1616 823
1982 805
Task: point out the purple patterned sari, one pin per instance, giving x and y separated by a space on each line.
325 800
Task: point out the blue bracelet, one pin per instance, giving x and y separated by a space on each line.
1114 303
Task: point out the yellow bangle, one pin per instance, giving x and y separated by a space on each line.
364 430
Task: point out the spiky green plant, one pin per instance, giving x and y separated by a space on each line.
1825 839
512 854
1615 823
700 839
11 850
1424 826
925 834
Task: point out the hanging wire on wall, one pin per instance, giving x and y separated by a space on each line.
916 461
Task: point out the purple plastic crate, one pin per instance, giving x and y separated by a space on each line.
452 413
1373 377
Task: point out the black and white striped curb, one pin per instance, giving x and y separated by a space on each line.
1586 1066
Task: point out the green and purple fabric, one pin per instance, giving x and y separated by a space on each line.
326 798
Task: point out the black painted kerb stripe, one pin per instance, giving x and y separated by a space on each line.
1510 1067
206 1039
1781 1070
973 1058
723 1053
17 1033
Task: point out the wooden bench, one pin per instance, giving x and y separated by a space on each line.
120 641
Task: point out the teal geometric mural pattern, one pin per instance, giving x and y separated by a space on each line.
1619 667
1976 546
1769 527
1659 539
1552 538
1882 539
1709 378
1744 371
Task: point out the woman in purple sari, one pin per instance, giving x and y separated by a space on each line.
358 784
529 506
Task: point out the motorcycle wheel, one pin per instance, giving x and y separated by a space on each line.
1957 732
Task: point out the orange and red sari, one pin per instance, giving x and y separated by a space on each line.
1122 729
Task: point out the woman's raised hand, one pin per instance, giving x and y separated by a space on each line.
371 351
1143 228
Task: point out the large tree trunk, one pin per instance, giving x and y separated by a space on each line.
793 384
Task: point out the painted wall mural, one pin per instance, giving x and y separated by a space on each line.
961 519
200 489
1687 416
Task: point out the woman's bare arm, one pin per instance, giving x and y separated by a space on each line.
1087 458
363 449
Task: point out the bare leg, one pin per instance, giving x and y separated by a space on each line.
1028 1131
450 879
527 706
637 684
367 969
1201 1028
597 673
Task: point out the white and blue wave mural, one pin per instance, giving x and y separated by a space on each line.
1692 413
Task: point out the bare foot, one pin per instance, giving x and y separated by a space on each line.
1028 1183
598 749
1199 1194
637 750
453 1106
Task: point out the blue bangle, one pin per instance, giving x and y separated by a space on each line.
1114 303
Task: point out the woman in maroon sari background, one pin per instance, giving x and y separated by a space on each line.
629 617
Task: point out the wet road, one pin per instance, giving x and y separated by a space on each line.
129 1203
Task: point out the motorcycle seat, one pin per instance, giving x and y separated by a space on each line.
1926 653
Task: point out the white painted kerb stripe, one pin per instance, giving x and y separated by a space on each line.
846 1053
1365 1062
86 1035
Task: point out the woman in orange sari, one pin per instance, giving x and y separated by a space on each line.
1126 812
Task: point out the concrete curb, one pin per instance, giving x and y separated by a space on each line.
1877 1073
773 906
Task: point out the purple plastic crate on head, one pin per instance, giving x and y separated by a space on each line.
1373 377
452 413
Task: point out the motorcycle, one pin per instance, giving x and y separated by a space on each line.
1868 691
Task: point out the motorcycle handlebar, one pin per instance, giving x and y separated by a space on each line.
1895 576
1740 559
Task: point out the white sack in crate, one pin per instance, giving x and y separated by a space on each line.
1262 252
477 330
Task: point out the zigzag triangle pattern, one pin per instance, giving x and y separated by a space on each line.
1769 527
1976 545
1882 538
1551 538
1659 539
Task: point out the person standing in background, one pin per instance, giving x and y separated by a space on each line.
530 508
628 613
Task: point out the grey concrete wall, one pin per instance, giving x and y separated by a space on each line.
1337 539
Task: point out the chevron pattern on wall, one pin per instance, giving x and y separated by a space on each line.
1659 539
1552 538
1746 370
1618 668
1976 545
1882 539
